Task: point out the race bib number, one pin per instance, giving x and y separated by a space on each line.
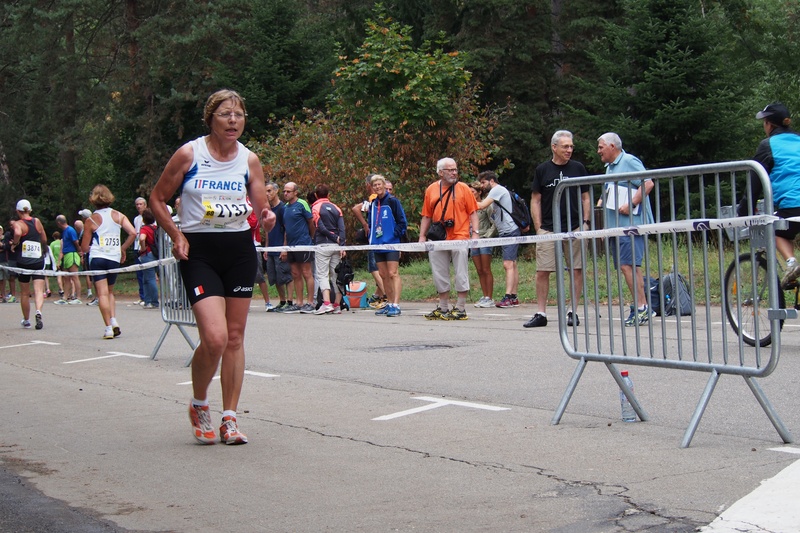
110 241
221 210
31 249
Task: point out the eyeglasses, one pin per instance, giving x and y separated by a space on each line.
228 115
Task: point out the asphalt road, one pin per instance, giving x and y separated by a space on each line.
365 423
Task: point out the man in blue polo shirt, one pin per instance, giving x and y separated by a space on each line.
626 204
298 230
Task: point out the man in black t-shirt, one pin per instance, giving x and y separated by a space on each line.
574 216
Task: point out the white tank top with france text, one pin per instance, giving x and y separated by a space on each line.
214 193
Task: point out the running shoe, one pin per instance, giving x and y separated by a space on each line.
229 432
26 324
39 323
572 319
375 301
537 321
116 330
307 309
485 303
455 314
109 333
269 307
436 314
639 317
93 303
791 274
60 301
280 308
323 309
337 309
507 301
74 301
203 431
291 309
394 310
383 311
11 299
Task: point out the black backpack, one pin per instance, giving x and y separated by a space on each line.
520 213
677 298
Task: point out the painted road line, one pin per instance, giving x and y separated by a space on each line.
439 402
32 343
771 507
247 372
109 356
787 449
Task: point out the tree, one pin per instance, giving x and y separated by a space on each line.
396 110
665 83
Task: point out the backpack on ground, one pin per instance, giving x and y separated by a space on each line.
677 297
520 213
655 296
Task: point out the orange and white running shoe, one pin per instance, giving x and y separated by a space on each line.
202 429
229 432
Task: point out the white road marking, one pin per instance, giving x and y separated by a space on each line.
32 343
439 402
109 356
248 372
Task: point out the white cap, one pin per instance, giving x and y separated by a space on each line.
85 213
24 205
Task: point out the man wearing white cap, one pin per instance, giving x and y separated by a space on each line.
28 244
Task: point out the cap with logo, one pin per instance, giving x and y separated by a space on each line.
775 113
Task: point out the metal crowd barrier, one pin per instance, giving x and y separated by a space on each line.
702 255
175 307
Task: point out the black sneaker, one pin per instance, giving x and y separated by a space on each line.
39 323
572 319
537 321
455 314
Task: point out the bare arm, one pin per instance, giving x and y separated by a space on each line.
88 229
165 188
587 206
536 210
130 230
424 224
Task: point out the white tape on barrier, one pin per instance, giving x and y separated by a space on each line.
132 268
680 226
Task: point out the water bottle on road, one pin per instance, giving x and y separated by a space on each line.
628 414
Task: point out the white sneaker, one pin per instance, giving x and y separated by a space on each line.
324 309
485 303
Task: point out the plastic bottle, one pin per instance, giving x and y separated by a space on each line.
628 414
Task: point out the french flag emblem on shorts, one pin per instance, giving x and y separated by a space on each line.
198 290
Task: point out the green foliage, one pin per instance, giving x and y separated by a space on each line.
395 116
394 85
666 85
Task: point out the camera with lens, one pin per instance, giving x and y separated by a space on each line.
449 223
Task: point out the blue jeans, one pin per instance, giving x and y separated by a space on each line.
149 280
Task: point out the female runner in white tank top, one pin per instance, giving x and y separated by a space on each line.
219 182
101 238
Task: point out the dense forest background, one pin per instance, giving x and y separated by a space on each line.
104 91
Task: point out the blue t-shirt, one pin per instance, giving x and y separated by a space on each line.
626 162
275 235
68 238
295 225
